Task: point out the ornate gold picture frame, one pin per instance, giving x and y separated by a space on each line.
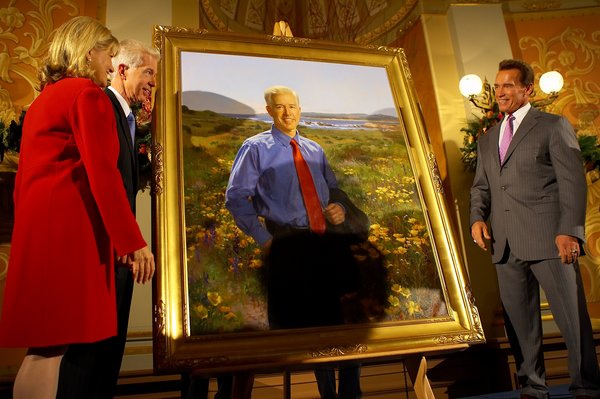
208 271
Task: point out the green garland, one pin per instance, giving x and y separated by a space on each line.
590 151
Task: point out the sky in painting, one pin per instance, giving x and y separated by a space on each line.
322 87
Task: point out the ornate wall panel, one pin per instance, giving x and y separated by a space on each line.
569 42
360 21
26 27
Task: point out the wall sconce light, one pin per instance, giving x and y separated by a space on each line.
551 82
470 85
482 94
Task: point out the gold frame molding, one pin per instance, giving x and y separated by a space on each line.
174 349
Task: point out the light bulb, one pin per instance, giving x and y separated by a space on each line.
551 82
470 85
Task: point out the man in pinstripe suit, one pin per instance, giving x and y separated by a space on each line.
531 186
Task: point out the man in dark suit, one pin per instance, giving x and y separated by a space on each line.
530 183
92 370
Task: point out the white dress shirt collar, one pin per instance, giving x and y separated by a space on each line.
124 105
519 115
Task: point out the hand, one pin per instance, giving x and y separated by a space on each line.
142 265
568 248
479 232
335 214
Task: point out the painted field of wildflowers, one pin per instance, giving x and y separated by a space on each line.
224 265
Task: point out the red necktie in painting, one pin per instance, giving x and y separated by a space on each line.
316 219
506 138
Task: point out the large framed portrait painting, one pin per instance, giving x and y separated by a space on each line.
359 104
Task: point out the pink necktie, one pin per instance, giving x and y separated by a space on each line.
506 138
316 220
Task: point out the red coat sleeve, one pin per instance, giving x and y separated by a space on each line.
95 133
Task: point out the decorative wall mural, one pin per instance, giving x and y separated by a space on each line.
575 53
358 21
26 29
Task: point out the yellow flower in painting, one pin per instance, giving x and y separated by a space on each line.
414 232
230 316
418 226
201 311
225 309
397 288
255 264
214 298
412 220
394 301
412 308
400 250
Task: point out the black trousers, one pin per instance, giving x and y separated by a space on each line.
91 370
307 275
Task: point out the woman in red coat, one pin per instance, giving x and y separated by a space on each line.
71 212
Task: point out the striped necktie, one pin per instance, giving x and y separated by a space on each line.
506 138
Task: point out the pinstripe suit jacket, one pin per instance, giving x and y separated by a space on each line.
538 193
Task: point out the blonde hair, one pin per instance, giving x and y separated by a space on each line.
275 90
67 55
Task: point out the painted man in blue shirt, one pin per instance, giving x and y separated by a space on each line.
303 285
264 171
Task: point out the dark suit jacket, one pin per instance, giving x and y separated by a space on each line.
128 160
538 193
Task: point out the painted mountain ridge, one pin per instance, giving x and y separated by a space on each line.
205 100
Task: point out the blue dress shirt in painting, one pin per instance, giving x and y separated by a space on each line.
263 182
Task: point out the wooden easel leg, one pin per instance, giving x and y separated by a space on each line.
287 385
417 370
